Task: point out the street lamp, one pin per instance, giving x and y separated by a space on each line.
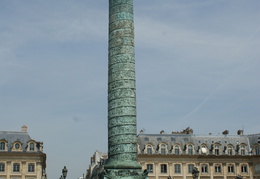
169 177
64 172
195 173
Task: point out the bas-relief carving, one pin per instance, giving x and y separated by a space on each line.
118 2
122 120
114 140
122 111
121 102
123 24
121 67
119 130
120 16
124 157
125 174
121 8
126 83
115 42
121 93
121 74
121 50
120 58
122 148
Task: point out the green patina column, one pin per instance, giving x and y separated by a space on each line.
122 139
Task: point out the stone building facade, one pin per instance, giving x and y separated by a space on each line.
21 157
175 155
216 156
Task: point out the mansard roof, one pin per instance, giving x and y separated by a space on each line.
12 136
197 140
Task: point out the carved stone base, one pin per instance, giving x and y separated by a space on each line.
125 174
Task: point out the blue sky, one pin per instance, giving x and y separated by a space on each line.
197 65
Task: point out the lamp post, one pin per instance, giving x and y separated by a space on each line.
195 173
64 172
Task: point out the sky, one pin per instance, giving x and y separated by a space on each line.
197 66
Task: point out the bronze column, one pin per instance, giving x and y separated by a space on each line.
122 139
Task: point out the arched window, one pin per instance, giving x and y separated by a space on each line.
2 146
149 149
177 150
163 149
190 149
31 146
216 149
257 150
242 150
204 149
230 150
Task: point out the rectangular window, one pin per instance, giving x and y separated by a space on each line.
163 151
231 169
257 168
190 151
149 151
177 151
244 168
31 146
190 168
163 168
217 169
177 168
2 146
204 168
16 167
2 167
149 168
31 167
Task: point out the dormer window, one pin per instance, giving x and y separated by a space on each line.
177 150
242 150
17 146
204 149
190 149
149 149
2 146
31 146
257 150
230 150
216 149
163 149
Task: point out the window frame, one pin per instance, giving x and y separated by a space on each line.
218 168
164 168
231 168
149 168
2 145
244 168
31 167
177 168
16 167
204 168
190 168
2 167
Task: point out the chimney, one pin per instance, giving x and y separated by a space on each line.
24 128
